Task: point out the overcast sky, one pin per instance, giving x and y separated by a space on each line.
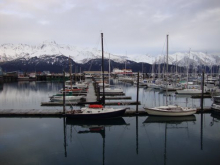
132 26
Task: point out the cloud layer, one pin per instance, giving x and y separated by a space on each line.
135 27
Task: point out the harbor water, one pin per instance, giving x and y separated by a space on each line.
127 140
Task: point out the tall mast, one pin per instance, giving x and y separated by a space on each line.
70 66
167 54
188 70
176 64
167 71
103 84
109 70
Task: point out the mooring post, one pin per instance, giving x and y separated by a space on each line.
137 93
64 132
64 109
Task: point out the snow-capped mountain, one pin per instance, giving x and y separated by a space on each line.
10 52
190 58
51 49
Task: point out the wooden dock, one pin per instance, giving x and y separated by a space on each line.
113 94
200 96
83 103
118 98
59 113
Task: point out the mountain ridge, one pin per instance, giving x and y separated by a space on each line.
9 52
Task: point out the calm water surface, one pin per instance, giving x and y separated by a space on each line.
128 140
29 95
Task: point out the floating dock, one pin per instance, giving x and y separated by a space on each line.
59 113
83 103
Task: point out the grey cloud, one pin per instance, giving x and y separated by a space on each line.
138 27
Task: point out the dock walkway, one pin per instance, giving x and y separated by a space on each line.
91 97
59 112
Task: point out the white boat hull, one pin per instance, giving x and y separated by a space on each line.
175 111
216 107
189 91
67 98
114 90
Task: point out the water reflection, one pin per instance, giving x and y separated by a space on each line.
215 118
92 127
128 140
170 123
1 86
27 95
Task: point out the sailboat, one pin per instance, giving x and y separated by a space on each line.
170 110
97 111
187 90
108 89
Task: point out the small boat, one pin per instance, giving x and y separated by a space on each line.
22 77
216 99
68 98
73 89
216 107
96 113
80 85
216 104
112 90
189 91
171 110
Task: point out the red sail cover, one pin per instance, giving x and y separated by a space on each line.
95 106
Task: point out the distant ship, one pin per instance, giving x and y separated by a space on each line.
122 71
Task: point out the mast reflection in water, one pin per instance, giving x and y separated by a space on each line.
94 126
128 140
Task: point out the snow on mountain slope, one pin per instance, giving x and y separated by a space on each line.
82 55
192 58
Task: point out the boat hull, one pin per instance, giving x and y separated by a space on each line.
216 108
158 112
189 92
105 115
67 98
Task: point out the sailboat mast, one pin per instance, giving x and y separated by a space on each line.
109 70
176 64
103 84
70 65
187 79
167 72
167 54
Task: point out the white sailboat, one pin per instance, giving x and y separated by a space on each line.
170 110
